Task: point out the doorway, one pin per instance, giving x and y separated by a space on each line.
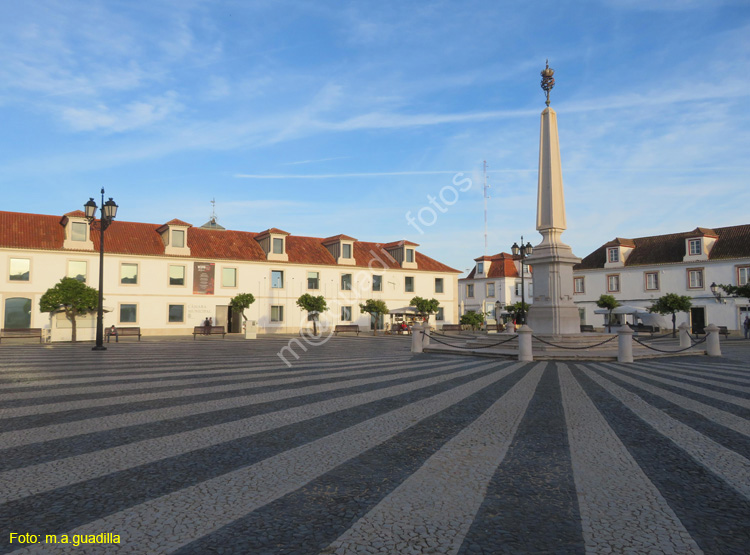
698 318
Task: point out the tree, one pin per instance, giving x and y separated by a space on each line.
425 307
313 306
72 297
473 319
737 290
517 309
241 302
374 308
610 303
671 303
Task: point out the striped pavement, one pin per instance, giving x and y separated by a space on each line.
218 446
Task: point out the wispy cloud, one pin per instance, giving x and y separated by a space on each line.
132 116
300 162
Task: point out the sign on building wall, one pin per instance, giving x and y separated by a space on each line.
203 278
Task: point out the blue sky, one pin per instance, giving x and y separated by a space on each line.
322 118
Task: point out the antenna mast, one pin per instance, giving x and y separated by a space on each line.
486 196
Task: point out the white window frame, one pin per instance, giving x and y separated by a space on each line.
470 290
406 284
346 284
696 273
646 276
613 254
277 241
488 285
181 234
410 255
169 275
743 275
79 225
85 274
440 289
613 283
346 313
281 275
380 282
280 312
344 248
137 273
579 280
694 247
223 276
480 267
317 281
440 314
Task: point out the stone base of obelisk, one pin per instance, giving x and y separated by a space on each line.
554 320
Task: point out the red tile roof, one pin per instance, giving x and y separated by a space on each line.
178 222
501 265
43 232
271 230
732 242
399 244
337 238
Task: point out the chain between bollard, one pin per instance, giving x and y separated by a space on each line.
665 351
574 348
463 347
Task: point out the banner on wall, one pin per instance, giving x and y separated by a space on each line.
203 278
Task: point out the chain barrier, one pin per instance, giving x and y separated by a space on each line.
665 351
464 347
658 336
574 348
443 334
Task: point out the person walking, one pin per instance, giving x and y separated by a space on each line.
746 325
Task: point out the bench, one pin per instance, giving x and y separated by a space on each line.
723 330
586 328
643 328
20 333
128 331
346 327
208 330
452 327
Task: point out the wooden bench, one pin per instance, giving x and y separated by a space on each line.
643 328
127 331
21 333
452 327
586 328
723 330
208 330
346 327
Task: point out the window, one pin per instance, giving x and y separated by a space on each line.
347 250
438 285
278 245
178 238
128 313
409 284
17 313
176 313
346 282
613 254
78 231
695 279
229 277
439 315
469 289
277 314
176 275
377 283
410 255
346 314
77 269
20 269
652 281
579 285
613 283
128 274
491 289
313 280
277 279
743 275
519 289
694 247
480 267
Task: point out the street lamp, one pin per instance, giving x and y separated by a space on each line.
523 251
498 307
108 213
715 290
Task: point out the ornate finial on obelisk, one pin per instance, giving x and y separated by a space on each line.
547 80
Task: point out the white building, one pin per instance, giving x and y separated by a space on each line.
639 271
494 278
168 278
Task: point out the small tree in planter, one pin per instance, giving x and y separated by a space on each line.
473 319
241 302
72 297
517 309
671 303
313 306
610 303
425 307
374 308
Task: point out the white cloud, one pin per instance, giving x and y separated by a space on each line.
134 115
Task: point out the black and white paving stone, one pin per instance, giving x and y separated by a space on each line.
362 447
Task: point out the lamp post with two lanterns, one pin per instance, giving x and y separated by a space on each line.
523 251
108 212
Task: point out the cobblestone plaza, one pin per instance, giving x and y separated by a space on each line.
216 446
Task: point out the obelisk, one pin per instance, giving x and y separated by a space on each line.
552 311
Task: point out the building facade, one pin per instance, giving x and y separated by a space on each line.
168 278
639 271
492 279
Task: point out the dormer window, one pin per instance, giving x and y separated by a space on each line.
278 245
694 247
178 238
410 255
174 236
480 267
78 231
341 248
346 250
613 254
273 243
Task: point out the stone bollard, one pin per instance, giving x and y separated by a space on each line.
625 344
416 338
684 335
426 337
524 344
713 349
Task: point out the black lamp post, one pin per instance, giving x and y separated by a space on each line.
715 290
108 213
498 307
523 251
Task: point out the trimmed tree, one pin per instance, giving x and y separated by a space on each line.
671 303
472 318
241 302
374 308
72 297
517 309
610 303
737 290
425 307
313 306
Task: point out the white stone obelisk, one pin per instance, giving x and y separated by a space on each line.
552 311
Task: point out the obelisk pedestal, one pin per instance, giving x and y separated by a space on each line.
552 311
